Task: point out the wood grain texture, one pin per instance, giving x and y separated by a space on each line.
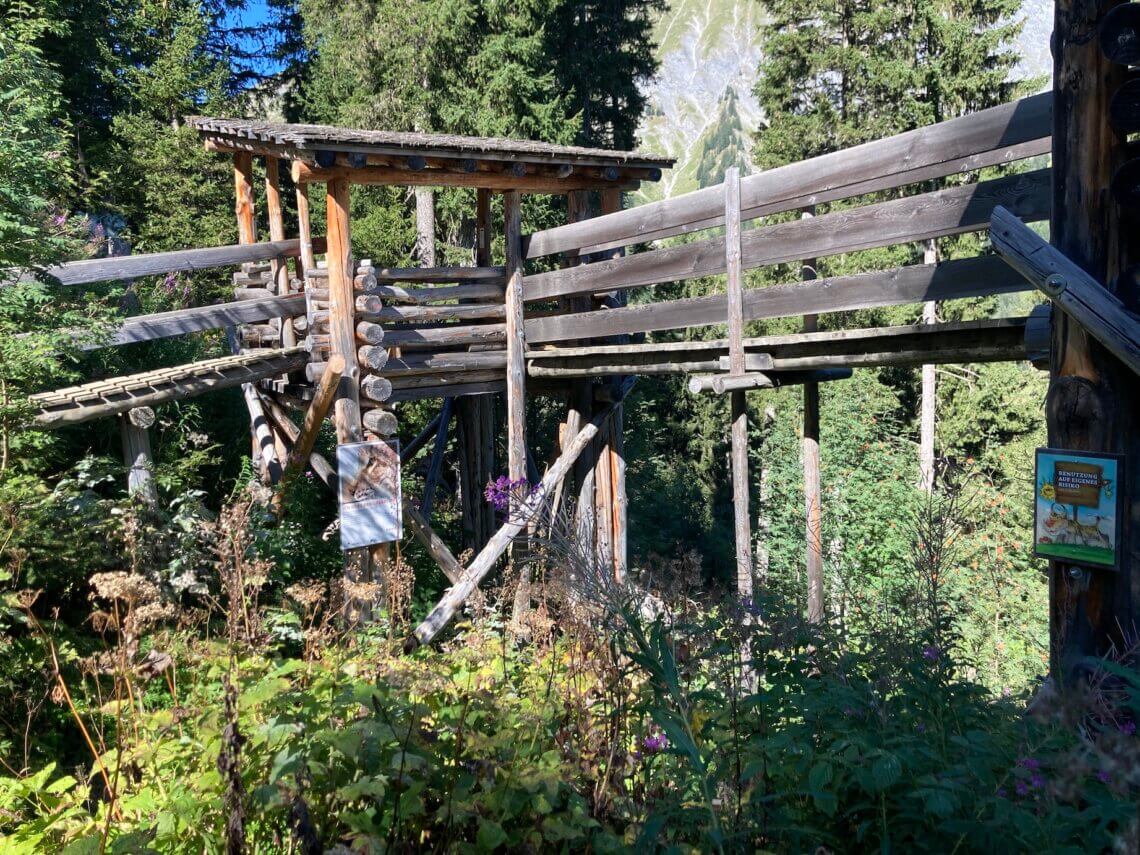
1000 134
946 212
969 277
516 338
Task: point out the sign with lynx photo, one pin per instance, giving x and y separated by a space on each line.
1077 514
370 509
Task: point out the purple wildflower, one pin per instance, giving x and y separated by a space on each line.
1037 780
1103 776
1128 728
1030 763
1021 788
59 219
931 653
655 743
920 727
500 491
169 283
1001 793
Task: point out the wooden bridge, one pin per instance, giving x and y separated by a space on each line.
554 316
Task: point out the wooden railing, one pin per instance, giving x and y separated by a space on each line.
1000 135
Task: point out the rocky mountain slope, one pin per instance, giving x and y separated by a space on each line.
701 107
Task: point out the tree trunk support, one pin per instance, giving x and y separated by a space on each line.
135 429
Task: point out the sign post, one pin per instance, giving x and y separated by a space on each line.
370 507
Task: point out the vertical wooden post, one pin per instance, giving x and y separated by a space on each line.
742 526
516 342
305 230
134 427
263 441
342 342
928 416
1093 402
609 476
516 372
475 419
279 270
813 514
243 191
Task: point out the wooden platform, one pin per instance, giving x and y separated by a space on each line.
101 398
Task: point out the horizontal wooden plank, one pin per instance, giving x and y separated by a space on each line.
424 275
1000 134
950 280
99 399
483 291
959 342
304 173
451 334
914 218
182 321
156 263
369 308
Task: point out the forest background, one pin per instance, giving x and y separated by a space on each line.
95 159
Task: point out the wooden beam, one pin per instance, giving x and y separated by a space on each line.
290 433
516 339
485 291
279 270
998 135
1093 402
134 430
243 192
341 311
421 439
304 173
455 596
1082 298
431 337
915 218
315 416
370 308
950 280
157 263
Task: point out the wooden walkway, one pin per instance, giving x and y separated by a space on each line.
115 395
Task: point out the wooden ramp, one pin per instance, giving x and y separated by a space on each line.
115 395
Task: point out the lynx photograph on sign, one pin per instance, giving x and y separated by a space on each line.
370 509
1077 512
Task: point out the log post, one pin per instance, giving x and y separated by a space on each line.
279 270
134 427
1093 403
609 476
475 419
736 365
929 405
435 468
813 519
342 343
516 373
243 191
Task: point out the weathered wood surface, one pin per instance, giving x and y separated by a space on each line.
137 454
341 299
1093 402
737 384
454 390
957 342
383 423
375 388
101 398
1080 296
243 195
516 340
1000 134
1119 34
157 263
454 334
280 419
427 275
183 321
371 308
734 383
314 417
492 291
1124 108
446 363
915 218
428 381
304 173
950 280
518 520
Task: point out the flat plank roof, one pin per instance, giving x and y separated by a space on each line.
304 141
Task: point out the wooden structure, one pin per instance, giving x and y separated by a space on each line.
552 316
